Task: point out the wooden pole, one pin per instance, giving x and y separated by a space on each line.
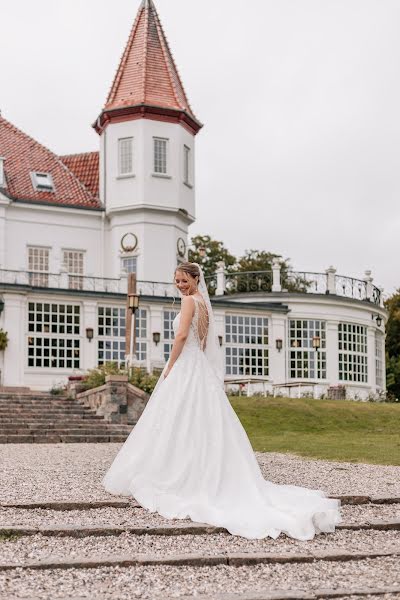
129 317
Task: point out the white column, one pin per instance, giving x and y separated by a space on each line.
371 357
15 323
278 360
220 291
332 353
368 279
331 283
276 275
156 325
89 349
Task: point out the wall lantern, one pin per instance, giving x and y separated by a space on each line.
156 337
220 340
1 305
279 344
133 302
316 342
378 320
89 333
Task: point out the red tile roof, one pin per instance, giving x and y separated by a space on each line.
147 74
86 168
24 155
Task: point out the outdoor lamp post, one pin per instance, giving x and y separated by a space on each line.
133 305
316 342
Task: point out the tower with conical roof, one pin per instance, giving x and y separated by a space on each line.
147 130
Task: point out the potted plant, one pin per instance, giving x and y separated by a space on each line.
3 339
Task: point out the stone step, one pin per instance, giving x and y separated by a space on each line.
31 427
39 409
60 429
55 439
39 418
65 505
105 530
236 559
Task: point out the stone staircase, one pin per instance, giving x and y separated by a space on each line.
31 417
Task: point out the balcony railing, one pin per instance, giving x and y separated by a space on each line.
63 281
219 284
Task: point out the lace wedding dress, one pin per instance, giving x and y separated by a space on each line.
189 456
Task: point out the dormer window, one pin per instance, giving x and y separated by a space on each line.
2 174
42 182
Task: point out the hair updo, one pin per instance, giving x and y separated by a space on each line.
190 269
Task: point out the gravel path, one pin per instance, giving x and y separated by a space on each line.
174 582
142 517
41 547
75 471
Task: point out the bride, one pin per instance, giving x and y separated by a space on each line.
188 456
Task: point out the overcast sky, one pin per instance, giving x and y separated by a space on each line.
300 152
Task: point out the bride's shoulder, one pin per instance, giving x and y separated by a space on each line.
187 303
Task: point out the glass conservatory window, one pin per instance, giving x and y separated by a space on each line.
379 348
353 356
53 335
169 316
304 361
111 321
246 349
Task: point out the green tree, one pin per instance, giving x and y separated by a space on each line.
260 260
392 305
214 251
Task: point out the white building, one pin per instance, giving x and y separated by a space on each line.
72 227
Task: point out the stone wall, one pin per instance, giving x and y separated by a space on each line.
117 400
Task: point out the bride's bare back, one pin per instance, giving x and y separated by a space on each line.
201 321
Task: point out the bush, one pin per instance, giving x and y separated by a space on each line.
58 389
139 377
3 339
143 380
97 377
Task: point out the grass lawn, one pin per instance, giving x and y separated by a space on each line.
332 429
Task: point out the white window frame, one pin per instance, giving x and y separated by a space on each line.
75 277
353 352
111 323
304 361
3 183
379 362
162 174
54 328
121 144
126 257
169 315
245 342
39 276
187 166
40 186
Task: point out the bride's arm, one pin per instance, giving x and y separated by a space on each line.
187 312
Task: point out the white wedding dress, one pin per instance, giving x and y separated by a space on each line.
188 456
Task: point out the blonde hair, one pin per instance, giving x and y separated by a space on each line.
189 268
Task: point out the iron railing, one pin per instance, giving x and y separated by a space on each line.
240 282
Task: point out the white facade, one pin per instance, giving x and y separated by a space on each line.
65 253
